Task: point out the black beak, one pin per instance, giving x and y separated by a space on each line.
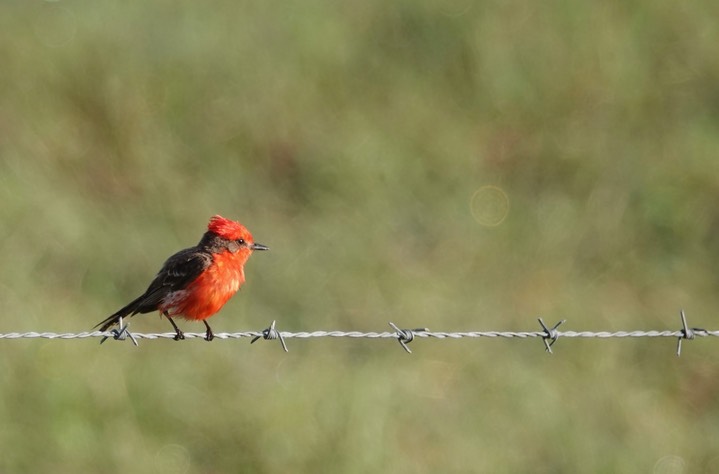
259 247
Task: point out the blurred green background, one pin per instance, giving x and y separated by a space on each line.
458 165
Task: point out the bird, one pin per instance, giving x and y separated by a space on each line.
195 283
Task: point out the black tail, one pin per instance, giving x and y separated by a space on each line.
131 309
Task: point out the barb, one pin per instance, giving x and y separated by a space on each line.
685 332
121 333
271 333
550 335
404 336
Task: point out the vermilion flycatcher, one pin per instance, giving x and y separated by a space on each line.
196 283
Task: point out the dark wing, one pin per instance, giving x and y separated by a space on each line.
177 272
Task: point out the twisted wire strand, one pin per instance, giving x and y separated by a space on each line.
367 335
404 336
548 335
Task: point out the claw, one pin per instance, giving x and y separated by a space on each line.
209 335
178 334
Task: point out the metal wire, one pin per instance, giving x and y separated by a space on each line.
404 336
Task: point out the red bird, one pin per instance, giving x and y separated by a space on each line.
195 283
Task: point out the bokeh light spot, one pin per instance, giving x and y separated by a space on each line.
670 465
489 206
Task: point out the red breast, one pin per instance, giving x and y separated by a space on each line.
209 292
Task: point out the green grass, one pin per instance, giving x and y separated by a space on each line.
352 138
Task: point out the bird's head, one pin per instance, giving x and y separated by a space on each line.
234 232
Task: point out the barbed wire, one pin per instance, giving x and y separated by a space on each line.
404 336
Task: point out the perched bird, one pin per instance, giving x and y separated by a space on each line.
195 283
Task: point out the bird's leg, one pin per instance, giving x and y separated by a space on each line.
209 335
178 334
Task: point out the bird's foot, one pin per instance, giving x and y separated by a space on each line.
178 333
209 335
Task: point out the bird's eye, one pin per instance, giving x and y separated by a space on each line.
241 241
